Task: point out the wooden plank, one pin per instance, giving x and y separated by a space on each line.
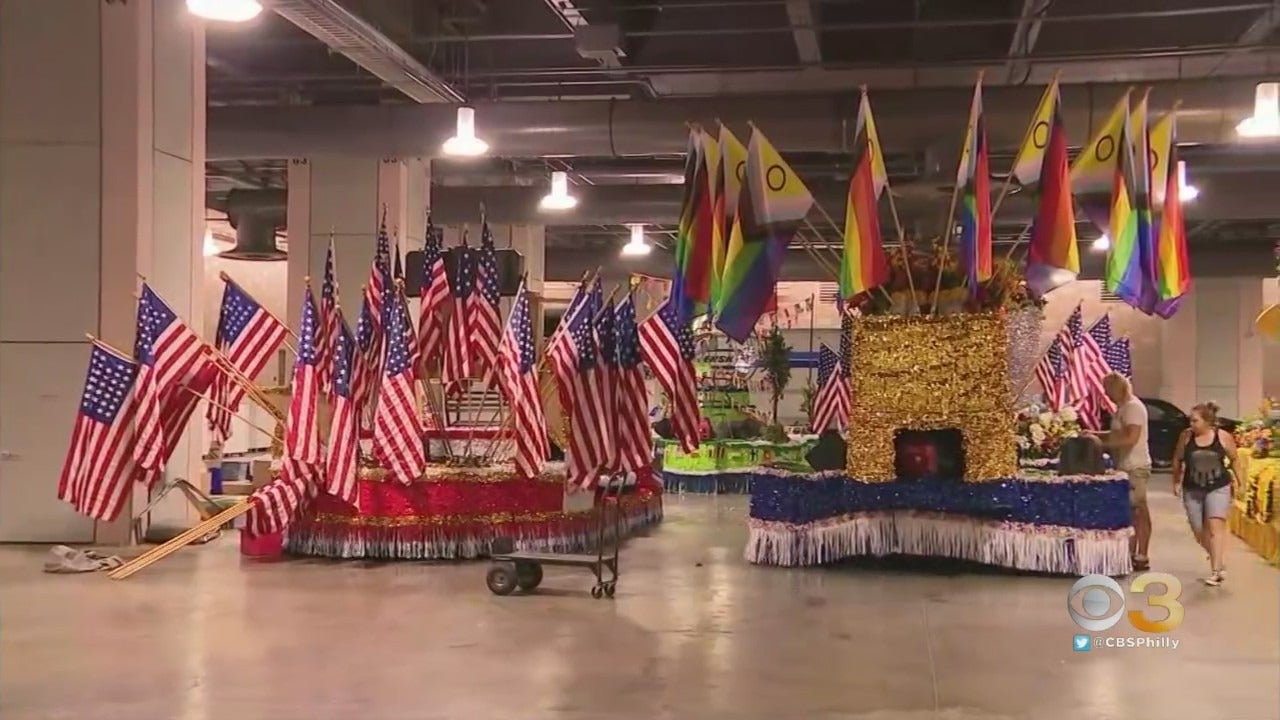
161 552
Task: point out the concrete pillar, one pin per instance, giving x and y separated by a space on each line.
343 196
1211 350
101 178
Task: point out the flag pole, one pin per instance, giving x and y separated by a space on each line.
949 226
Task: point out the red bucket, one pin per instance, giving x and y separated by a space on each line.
262 547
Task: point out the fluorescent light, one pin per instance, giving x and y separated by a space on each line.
1102 244
464 142
636 247
559 197
1186 192
225 10
1265 121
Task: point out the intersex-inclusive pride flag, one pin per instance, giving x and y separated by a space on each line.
1093 172
733 166
863 266
1172 269
773 203
974 177
694 235
1053 256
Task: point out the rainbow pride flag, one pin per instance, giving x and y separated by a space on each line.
863 266
1130 266
1053 256
1172 268
974 177
773 203
733 163
691 282
1093 172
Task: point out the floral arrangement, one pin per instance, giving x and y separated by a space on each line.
1260 434
1040 433
1005 290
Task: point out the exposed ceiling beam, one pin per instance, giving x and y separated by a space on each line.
1257 32
800 15
586 37
359 41
1025 36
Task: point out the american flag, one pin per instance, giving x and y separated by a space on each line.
635 441
248 336
277 503
397 430
432 296
1119 357
486 313
517 362
831 403
167 352
1085 371
457 344
607 372
181 405
667 345
397 273
363 377
328 320
376 292
99 465
1051 371
1100 331
575 361
344 431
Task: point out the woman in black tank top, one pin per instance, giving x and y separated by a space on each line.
1202 479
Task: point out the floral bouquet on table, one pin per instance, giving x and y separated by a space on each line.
1041 432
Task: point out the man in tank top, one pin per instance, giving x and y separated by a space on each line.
1127 443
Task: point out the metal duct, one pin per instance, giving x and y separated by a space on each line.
909 120
256 217
368 47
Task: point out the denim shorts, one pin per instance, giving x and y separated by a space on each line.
1201 504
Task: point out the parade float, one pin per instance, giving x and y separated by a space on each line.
1253 516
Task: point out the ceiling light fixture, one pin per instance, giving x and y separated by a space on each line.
1265 121
464 142
636 246
1102 244
1186 191
225 10
559 197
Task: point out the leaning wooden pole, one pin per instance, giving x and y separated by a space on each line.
160 552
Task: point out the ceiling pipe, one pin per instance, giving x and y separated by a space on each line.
909 119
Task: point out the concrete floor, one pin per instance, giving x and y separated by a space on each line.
695 632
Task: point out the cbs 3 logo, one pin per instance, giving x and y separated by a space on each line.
1096 602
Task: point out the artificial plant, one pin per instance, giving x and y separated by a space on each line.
775 360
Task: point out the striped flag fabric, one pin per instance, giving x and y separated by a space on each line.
666 342
167 352
575 363
328 319
691 281
248 335
433 297
518 376
364 379
181 405
831 403
376 291
727 185
277 503
397 429
863 266
99 464
1119 357
1085 370
1053 254
341 463
457 343
607 342
974 179
1171 265
1100 331
486 320
1051 371
1094 170
635 440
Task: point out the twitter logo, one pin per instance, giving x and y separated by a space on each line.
1082 643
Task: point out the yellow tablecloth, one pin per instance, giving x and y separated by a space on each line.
1253 515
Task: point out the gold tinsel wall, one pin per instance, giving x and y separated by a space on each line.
928 374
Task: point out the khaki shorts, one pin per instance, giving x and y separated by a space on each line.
1138 479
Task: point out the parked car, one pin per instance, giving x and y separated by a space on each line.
1165 422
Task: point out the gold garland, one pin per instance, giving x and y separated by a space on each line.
924 373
